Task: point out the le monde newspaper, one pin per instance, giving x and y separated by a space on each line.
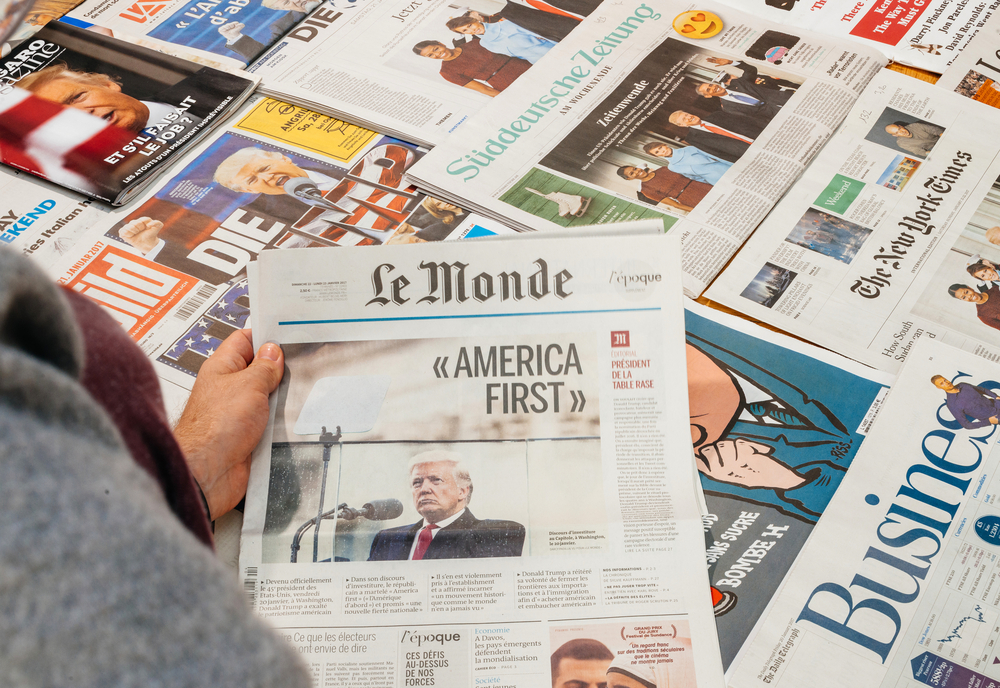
522 403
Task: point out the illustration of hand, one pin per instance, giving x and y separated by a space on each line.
746 463
142 233
232 31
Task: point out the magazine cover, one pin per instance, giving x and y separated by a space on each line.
486 448
897 585
776 424
107 114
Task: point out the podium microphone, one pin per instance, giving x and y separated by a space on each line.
375 510
305 189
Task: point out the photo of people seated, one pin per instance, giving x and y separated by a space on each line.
665 142
486 46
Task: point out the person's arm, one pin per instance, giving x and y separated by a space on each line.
671 203
482 88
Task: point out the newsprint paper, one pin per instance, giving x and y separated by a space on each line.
777 403
975 74
899 584
888 237
553 373
654 113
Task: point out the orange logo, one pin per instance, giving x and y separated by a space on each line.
141 11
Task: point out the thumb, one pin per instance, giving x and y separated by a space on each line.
267 367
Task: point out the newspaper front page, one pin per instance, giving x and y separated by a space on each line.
898 584
976 72
641 118
553 373
929 34
782 403
417 70
887 237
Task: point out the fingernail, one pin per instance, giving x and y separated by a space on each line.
271 351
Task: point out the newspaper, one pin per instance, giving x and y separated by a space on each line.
399 67
230 33
786 402
552 369
897 586
183 247
41 219
880 242
976 71
929 34
650 124
102 116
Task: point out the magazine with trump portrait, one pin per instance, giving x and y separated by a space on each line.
102 116
474 444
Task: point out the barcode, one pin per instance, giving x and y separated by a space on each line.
250 584
195 302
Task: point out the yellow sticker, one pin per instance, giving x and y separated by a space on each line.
323 134
697 24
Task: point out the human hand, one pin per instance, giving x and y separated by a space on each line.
142 233
994 420
478 16
232 31
718 61
226 416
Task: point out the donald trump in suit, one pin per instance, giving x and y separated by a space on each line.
442 488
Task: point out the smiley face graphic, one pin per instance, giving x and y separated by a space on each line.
697 24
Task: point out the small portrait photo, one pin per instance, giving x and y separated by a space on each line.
669 142
899 172
900 131
486 45
656 654
828 235
769 284
964 292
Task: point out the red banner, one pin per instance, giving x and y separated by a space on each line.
889 20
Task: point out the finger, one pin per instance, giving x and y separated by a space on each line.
756 446
234 354
267 367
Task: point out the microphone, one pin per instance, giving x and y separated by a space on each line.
305 189
375 510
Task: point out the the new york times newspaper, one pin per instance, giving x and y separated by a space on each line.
889 237
529 406
654 111
153 107
781 409
898 583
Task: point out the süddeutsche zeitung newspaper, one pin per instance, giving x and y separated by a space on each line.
653 113
888 237
532 402
898 583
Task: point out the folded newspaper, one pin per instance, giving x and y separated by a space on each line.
775 430
976 72
102 116
417 70
890 236
654 111
547 375
898 583
929 34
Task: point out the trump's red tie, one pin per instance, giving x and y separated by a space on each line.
424 541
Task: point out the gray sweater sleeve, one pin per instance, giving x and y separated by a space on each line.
99 584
